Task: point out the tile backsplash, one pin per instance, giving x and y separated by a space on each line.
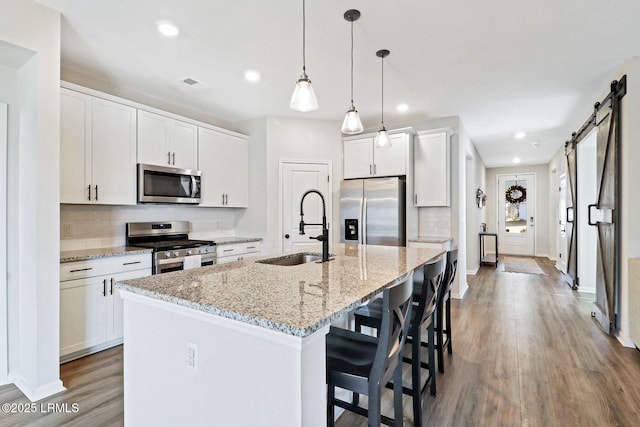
434 222
83 227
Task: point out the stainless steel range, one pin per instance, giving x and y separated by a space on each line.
172 248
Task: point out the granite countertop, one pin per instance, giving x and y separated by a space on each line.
231 240
296 300
430 239
95 253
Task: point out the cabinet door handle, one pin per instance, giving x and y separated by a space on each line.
89 188
131 263
104 288
251 247
96 193
81 269
168 157
415 197
223 198
370 169
227 250
173 156
111 288
375 169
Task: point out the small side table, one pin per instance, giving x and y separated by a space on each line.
488 259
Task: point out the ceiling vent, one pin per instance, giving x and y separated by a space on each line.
193 84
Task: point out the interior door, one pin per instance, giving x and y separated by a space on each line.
562 223
571 215
516 214
603 213
296 179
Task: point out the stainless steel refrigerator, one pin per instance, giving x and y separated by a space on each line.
372 211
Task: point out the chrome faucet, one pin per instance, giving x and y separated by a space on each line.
324 237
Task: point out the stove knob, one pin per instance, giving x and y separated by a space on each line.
167 254
176 253
204 250
189 251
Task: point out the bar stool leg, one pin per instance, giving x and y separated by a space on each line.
330 408
448 310
431 350
415 382
440 337
397 395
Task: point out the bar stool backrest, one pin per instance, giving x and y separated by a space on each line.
434 273
396 312
450 274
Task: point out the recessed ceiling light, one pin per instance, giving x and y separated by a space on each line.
252 76
167 28
520 135
516 160
402 108
535 144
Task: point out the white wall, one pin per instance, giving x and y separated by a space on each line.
476 178
33 189
294 139
557 167
543 210
630 197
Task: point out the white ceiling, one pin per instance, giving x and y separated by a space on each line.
501 65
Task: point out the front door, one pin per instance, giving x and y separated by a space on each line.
516 214
296 179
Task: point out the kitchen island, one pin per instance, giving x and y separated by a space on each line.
243 343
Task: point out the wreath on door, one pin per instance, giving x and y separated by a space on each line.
516 194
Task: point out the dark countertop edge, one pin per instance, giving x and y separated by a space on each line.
97 253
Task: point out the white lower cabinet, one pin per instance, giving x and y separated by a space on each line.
237 251
90 306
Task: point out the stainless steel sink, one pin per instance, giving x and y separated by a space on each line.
294 259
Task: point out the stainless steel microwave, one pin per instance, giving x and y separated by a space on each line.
161 184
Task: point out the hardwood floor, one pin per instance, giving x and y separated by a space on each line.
526 352
94 383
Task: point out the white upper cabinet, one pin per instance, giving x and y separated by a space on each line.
164 141
363 159
223 158
98 150
431 169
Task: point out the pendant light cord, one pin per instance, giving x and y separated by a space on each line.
352 64
382 110
304 21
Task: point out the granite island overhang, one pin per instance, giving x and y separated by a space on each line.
243 343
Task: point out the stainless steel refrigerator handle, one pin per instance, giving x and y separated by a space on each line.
360 223
364 221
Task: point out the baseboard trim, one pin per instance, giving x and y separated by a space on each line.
474 271
456 295
35 393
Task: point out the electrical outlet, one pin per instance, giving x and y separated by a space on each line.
192 356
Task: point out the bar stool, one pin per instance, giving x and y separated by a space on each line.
365 364
427 281
444 304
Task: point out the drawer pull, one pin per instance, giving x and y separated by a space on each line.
227 250
132 262
251 247
81 269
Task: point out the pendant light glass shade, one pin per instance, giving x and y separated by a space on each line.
382 138
303 98
352 124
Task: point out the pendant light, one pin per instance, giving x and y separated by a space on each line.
303 98
352 124
382 139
